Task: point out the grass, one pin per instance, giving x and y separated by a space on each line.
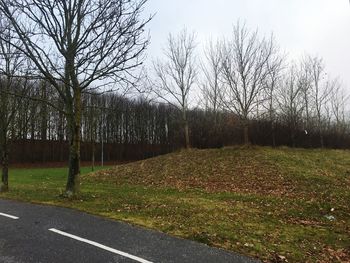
273 204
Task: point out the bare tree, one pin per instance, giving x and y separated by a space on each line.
338 102
305 82
175 77
320 91
273 80
77 45
291 102
211 86
245 68
11 63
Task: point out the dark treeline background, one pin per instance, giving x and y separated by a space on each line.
132 129
240 91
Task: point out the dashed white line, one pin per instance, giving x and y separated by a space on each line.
115 251
9 216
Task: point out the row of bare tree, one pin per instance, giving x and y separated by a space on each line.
249 77
114 119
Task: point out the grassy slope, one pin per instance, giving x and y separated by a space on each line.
263 202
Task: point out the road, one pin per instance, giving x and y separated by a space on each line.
34 233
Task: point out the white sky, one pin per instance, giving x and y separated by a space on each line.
315 27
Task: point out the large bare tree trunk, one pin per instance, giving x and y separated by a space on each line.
4 187
186 129
246 132
74 123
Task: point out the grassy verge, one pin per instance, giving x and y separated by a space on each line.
274 204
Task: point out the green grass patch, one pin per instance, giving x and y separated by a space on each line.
266 203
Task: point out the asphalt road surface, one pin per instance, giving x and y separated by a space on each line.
34 233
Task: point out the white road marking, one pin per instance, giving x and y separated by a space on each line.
9 216
115 251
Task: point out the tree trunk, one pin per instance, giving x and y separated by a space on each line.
246 132
321 140
292 136
5 168
187 136
273 134
74 122
186 129
43 113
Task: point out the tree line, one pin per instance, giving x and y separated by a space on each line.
114 119
250 78
67 68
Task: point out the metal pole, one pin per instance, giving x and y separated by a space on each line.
102 147
102 137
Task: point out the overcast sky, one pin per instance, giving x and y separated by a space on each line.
316 27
